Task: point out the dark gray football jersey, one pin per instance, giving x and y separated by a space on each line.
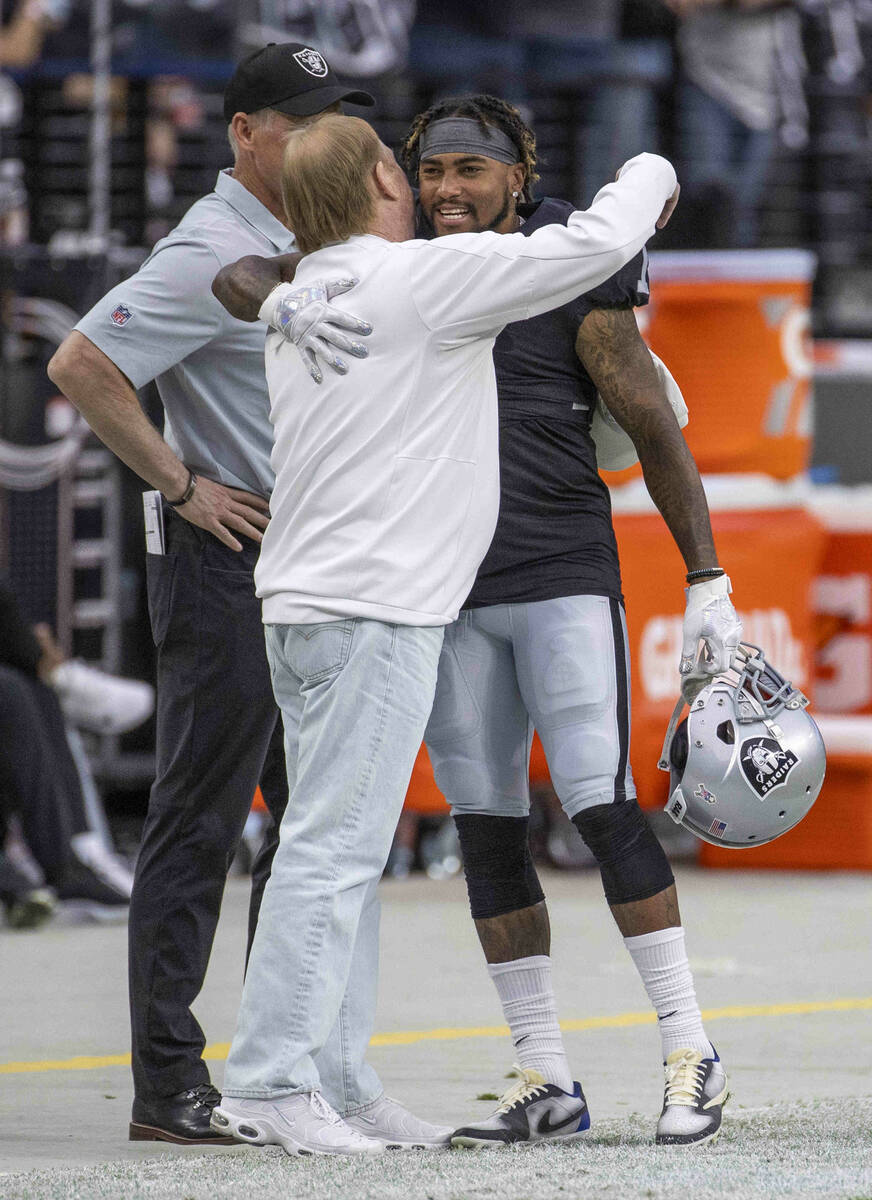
554 535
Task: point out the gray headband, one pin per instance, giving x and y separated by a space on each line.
465 135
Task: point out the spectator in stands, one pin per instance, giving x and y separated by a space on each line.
597 87
578 48
41 780
20 46
361 38
21 40
456 46
26 904
727 113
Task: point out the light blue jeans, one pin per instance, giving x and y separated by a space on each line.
355 696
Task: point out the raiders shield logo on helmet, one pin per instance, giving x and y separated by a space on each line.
765 764
311 61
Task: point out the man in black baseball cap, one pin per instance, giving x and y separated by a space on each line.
272 92
289 77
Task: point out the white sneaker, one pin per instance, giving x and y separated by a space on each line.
102 703
696 1092
392 1123
90 849
301 1124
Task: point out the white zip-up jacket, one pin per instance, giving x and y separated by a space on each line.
387 479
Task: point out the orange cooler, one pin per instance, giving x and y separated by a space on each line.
842 601
733 328
771 548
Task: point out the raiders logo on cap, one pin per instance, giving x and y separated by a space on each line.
311 61
765 764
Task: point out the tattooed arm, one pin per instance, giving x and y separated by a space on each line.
612 351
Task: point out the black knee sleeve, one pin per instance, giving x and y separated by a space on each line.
632 862
500 875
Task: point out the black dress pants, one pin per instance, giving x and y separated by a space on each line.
218 736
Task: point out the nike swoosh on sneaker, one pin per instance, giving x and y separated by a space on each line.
545 1126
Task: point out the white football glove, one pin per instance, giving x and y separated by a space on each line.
304 317
710 619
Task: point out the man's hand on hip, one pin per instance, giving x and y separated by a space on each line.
220 509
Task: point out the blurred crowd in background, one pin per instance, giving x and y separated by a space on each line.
765 106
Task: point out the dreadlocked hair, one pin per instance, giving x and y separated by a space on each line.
487 110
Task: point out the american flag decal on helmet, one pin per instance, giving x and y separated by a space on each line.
717 828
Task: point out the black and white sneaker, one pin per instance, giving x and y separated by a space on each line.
696 1092
531 1111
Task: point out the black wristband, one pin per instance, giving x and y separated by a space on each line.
705 573
187 494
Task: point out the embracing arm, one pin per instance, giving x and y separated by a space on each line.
619 363
108 402
243 286
472 285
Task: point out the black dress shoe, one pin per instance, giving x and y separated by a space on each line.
182 1119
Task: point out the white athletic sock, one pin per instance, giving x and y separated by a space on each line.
527 995
661 960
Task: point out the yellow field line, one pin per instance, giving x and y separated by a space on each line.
219 1050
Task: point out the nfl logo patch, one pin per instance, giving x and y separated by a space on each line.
120 315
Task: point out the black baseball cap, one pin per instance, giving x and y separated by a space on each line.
287 76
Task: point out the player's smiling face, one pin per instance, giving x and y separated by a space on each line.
468 193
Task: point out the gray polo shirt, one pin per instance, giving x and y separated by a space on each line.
164 324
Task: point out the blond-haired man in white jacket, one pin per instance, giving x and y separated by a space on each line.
386 498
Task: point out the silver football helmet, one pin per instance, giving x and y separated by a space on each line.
748 761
